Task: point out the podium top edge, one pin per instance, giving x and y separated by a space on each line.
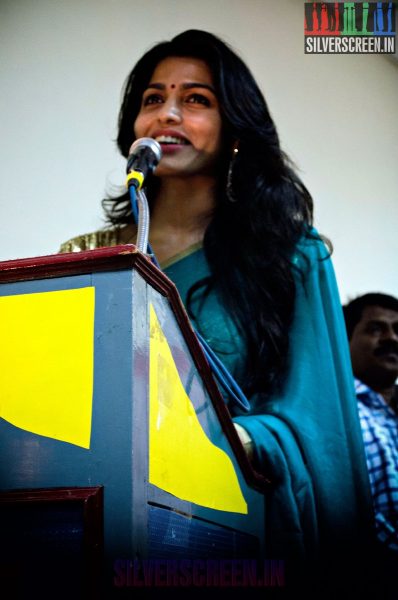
75 263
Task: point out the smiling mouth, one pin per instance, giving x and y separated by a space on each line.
170 139
391 355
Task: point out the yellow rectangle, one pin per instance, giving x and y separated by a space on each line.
47 362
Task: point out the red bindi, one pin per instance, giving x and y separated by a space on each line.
172 86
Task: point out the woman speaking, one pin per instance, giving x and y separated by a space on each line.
231 226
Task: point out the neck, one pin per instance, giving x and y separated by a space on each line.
184 203
389 395
387 389
181 212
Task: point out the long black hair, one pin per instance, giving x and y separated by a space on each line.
249 243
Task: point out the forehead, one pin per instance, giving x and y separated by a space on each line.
178 69
378 313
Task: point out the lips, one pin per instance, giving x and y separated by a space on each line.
170 138
390 356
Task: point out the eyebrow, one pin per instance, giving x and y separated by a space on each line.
380 322
185 86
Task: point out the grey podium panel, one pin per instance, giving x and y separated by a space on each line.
151 507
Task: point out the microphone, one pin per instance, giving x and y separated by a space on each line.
144 156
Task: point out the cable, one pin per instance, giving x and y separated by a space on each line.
220 372
223 376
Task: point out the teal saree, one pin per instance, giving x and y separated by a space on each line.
307 438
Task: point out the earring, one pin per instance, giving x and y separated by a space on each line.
229 190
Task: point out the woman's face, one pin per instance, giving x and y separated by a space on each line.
180 110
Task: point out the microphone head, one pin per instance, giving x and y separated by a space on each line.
148 144
143 158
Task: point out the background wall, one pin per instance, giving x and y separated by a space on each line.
62 69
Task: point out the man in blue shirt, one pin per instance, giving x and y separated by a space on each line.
372 328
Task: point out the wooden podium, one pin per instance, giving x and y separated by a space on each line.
116 444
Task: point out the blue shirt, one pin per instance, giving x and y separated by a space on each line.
379 425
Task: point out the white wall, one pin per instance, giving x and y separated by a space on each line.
63 63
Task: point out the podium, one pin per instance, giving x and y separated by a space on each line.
118 453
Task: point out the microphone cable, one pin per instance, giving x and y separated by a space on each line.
221 373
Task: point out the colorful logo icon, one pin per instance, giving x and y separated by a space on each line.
349 27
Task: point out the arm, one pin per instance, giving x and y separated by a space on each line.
308 437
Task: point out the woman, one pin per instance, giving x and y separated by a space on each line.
231 225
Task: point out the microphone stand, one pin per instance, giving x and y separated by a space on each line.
143 222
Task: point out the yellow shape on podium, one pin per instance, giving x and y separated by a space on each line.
182 459
47 358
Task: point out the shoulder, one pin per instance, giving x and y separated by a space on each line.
91 241
310 249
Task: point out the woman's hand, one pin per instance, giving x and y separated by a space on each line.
246 441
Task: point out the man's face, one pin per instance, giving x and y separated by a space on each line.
374 347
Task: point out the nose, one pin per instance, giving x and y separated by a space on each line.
170 112
394 334
391 333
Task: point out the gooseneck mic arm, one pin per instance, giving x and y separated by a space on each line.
144 156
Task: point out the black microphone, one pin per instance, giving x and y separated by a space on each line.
144 156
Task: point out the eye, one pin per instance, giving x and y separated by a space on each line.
198 99
152 99
374 328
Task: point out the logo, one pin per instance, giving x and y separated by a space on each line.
209 572
349 27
